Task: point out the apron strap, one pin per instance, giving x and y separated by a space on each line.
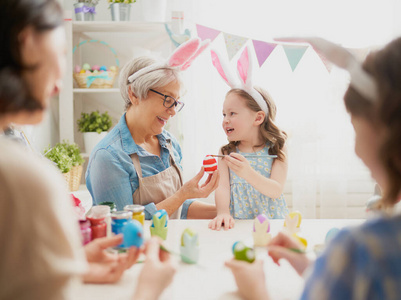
172 160
137 164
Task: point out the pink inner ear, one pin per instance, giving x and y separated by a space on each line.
217 65
243 64
184 52
200 50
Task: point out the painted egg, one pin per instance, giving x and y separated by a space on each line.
82 71
242 252
103 68
133 234
159 215
86 66
88 72
210 164
190 233
331 234
77 69
113 68
95 72
95 67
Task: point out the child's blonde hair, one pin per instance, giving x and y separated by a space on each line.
268 130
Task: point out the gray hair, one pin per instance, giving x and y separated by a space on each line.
141 86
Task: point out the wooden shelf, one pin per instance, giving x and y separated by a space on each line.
112 26
94 91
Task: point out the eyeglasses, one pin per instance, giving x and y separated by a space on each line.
169 101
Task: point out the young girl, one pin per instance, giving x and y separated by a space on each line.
254 170
362 262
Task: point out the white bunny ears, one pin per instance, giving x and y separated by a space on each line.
244 69
360 79
180 59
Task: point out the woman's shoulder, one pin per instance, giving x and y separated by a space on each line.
373 239
26 174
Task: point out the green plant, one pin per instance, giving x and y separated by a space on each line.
64 156
94 122
73 152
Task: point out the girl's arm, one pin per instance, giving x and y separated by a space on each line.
271 187
222 199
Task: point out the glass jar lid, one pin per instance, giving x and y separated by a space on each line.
121 214
134 208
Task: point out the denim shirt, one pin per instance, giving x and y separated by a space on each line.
111 175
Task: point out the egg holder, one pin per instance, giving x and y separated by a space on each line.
102 80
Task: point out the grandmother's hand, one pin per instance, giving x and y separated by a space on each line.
192 189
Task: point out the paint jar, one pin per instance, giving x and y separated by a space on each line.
137 212
99 216
86 231
118 221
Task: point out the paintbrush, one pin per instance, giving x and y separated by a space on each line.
250 156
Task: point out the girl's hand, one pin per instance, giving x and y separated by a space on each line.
192 189
221 219
238 164
279 248
157 272
250 279
106 267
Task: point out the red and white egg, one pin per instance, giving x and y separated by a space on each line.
210 164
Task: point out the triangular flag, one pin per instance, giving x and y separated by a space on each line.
206 33
326 62
263 50
294 54
233 43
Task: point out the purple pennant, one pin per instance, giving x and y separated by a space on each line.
207 33
263 50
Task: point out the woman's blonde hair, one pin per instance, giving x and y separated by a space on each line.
268 130
152 80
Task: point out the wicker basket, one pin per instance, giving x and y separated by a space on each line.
73 178
101 80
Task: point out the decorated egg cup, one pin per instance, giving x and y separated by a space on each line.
189 248
261 231
159 224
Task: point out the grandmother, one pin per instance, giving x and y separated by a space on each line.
139 161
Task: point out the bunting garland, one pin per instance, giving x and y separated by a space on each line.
263 50
294 54
233 44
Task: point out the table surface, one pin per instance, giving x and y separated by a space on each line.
209 279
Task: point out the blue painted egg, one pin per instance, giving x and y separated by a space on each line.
159 214
133 234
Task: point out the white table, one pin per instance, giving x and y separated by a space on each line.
210 279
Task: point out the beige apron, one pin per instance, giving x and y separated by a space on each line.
159 187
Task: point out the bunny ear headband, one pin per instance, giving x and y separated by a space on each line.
244 72
180 59
360 79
